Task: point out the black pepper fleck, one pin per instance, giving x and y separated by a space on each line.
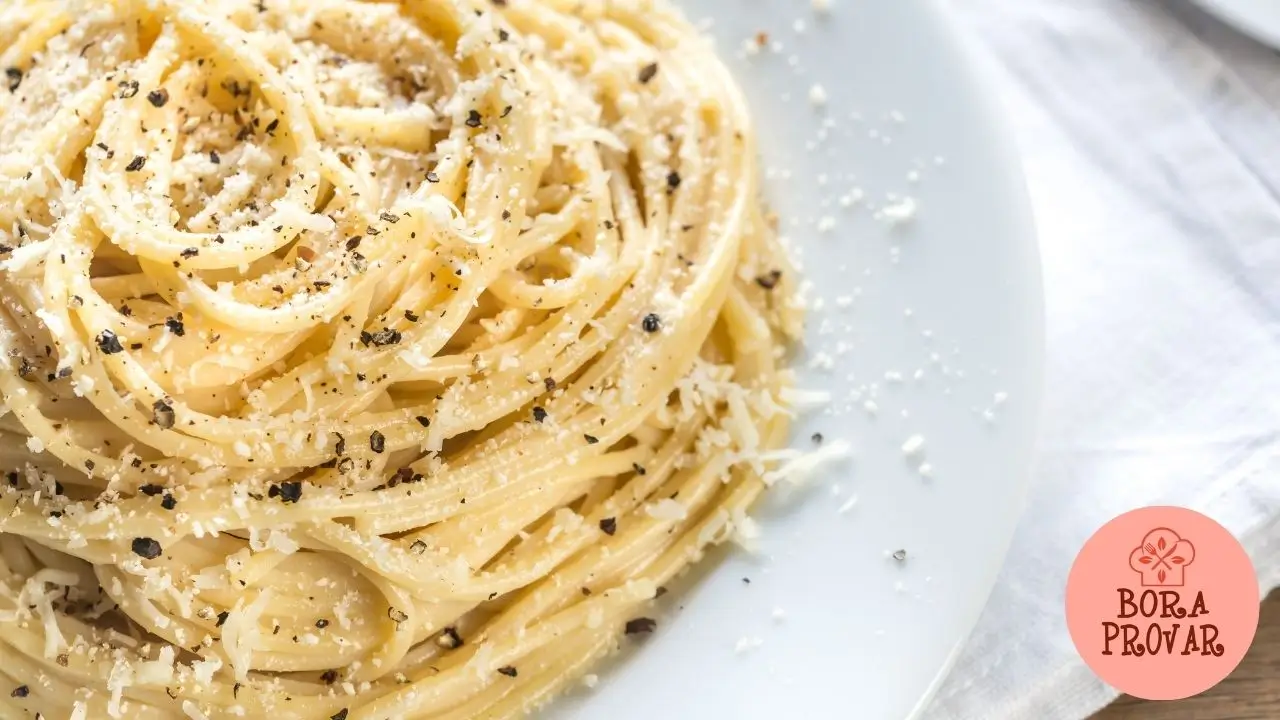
539 413
329 677
377 442
162 414
108 343
385 336
647 72
135 164
673 180
14 76
652 323
769 280
289 491
641 625
174 325
454 639
423 420
508 670
158 97
146 548
473 118
222 618
609 525
168 503
591 439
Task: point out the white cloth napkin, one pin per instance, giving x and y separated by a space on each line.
1151 144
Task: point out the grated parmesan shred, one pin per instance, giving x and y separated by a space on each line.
193 711
801 466
667 509
120 678
240 633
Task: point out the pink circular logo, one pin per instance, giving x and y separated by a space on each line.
1162 603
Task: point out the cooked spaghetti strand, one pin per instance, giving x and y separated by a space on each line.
367 360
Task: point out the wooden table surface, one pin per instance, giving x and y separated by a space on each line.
1252 692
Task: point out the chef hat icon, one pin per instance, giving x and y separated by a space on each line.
1162 558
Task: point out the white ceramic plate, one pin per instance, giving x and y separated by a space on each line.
1259 19
954 294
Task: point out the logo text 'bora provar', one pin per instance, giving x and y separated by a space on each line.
1186 638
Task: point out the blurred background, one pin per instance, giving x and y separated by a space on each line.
1150 135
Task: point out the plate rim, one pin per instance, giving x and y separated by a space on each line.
976 68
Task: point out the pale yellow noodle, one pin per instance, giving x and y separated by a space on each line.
367 359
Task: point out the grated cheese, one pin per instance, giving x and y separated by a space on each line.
913 446
817 96
295 216
240 633
667 509
900 211
158 671
193 711
801 400
745 530
802 466
204 670
120 678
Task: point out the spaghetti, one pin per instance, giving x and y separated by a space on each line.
367 359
